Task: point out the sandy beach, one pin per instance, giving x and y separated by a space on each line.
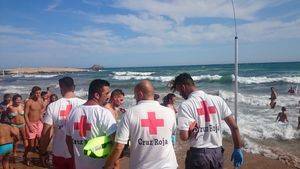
252 161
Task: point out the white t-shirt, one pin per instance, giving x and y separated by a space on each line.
56 115
149 127
207 111
85 123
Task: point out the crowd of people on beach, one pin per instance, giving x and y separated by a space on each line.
148 128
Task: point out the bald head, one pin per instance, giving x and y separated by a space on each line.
144 90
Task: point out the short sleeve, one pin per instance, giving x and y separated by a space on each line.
48 117
122 135
109 124
185 117
224 109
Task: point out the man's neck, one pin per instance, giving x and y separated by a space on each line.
69 95
91 102
192 89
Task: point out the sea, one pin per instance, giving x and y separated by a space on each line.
256 120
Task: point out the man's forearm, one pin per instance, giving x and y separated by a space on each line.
117 150
69 142
45 139
236 137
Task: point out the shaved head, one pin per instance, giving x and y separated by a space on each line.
144 90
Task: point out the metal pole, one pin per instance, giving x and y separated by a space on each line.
236 72
236 64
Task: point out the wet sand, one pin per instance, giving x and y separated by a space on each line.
252 161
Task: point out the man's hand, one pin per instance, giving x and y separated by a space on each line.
30 128
237 157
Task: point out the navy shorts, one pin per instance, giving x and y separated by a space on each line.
204 158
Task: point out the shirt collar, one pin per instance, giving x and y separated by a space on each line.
196 92
148 101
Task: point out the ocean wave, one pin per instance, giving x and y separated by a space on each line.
40 76
81 93
166 78
260 100
264 79
14 89
129 73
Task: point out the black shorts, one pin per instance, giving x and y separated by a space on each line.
204 158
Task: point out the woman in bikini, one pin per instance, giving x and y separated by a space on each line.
16 114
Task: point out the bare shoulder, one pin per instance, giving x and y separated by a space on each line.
28 102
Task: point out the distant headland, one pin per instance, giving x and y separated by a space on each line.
51 70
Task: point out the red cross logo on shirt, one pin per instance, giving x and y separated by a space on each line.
64 113
152 123
82 126
204 110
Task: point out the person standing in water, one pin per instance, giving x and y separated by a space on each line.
282 116
273 98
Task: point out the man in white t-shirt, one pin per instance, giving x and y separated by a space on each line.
56 117
199 121
89 121
148 126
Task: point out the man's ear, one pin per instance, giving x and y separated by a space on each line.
140 94
97 95
182 87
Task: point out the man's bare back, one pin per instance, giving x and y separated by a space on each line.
7 133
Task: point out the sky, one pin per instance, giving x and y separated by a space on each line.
123 33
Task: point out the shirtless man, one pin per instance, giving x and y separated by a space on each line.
273 98
282 116
7 135
115 101
33 113
16 114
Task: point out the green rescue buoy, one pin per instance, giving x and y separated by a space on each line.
98 147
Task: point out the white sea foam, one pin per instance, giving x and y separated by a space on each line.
81 93
156 78
164 78
264 79
14 89
128 73
260 100
40 76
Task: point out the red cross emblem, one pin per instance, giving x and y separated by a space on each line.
204 110
82 126
152 123
64 113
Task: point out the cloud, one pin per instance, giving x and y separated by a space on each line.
53 5
143 23
7 29
179 10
